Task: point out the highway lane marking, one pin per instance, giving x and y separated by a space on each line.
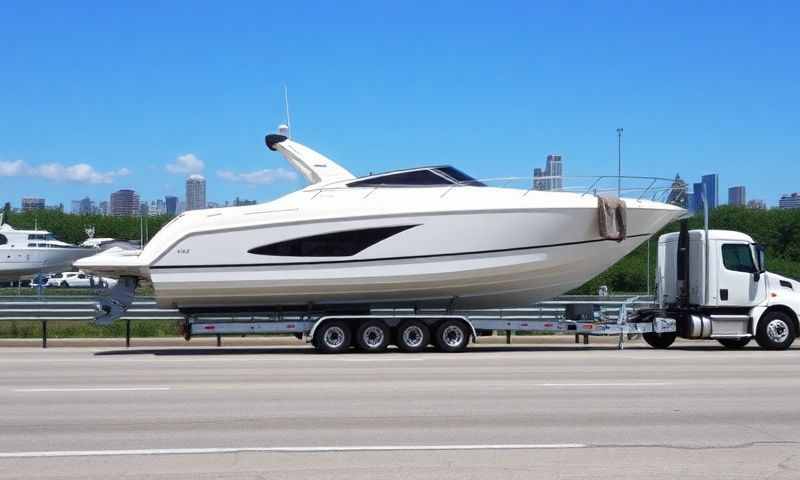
625 384
323 449
90 389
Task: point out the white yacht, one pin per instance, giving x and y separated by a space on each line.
429 236
26 253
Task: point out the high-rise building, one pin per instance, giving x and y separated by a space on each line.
32 203
678 194
790 201
124 202
538 184
195 192
102 208
171 204
698 194
554 168
157 207
711 183
757 204
737 196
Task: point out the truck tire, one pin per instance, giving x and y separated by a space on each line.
373 336
451 336
734 342
64 285
332 337
659 340
413 336
775 331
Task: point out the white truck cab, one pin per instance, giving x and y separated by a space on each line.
718 288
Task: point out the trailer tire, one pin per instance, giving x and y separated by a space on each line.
413 336
452 336
734 342
332 337
373 336
775 331
659 340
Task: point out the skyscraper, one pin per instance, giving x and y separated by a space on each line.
711 183
124 202
32 203
171 205
554 168
737 196
195 192
538 184
698 194
678 194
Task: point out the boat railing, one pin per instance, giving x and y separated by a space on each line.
640 188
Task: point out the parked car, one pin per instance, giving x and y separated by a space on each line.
79 279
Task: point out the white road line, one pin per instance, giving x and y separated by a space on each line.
91 389
629 384
330 449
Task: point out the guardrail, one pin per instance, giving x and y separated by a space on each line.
82 308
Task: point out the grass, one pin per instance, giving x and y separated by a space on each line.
79 329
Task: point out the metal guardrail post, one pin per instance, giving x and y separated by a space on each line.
508 337
219 340
44 333
127 333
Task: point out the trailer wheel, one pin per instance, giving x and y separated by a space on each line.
775 331
332 337
413 336
451 336
373 336
734 342
659 340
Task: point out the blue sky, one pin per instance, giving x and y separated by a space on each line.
492 87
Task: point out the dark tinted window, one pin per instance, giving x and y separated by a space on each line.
413 178
737 257
3 239
459 176
338 244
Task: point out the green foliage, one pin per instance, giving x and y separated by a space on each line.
71 228
777 229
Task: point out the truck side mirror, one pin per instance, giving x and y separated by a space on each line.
760 259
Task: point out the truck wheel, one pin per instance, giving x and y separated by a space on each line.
64 285
413 336
775 331
659 340
373 336
734 342
332 337
451 336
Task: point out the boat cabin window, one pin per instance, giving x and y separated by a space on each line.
41 236
338 244
439 176
3 239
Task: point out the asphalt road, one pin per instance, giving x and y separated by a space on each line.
541 411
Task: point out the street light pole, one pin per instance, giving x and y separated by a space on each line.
619 163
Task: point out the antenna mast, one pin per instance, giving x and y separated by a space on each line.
288 116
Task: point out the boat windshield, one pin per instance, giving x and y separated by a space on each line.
429 176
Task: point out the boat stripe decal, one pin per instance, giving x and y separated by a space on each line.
385 259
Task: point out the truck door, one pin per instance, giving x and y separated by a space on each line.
738 281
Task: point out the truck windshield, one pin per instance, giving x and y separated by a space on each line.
738 257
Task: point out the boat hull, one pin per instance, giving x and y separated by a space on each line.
458 260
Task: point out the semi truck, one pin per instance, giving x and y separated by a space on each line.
714 284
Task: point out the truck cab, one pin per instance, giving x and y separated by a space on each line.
717 287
